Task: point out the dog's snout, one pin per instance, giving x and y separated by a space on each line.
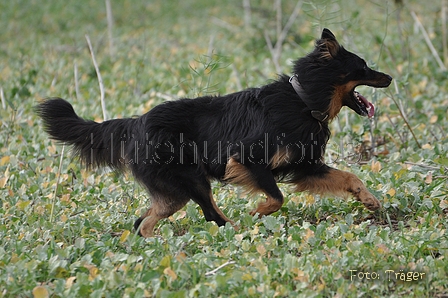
385 80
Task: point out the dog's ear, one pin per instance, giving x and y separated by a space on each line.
328 44
327 34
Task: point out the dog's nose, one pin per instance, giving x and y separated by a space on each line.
389 77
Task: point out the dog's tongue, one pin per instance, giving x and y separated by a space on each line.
371 110
370 107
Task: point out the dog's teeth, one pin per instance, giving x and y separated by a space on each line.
357 97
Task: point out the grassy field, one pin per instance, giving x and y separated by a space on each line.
67 232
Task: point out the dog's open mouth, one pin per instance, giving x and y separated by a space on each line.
366 107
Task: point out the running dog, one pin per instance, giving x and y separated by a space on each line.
253 138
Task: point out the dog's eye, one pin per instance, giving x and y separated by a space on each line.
364 67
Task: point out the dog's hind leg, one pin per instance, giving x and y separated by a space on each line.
161 207
171 190
338 183
256 178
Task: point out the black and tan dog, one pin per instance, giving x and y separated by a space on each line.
253 138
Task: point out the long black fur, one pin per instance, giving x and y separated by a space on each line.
176 148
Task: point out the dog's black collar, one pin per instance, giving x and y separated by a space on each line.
318 115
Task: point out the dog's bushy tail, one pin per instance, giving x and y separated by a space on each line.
97 144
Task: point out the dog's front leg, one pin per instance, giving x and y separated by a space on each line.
340 183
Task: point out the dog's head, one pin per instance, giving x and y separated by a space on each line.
330 74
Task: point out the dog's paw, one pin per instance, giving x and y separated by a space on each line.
365 197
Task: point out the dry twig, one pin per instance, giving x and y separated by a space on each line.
2 96
428 42
75 74
403 115
276 50
58 174
444 12
213 272
110 23
100 79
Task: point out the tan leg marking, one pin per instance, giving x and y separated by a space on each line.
281 157
160 208
237 173
339 183
265 208
148 223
